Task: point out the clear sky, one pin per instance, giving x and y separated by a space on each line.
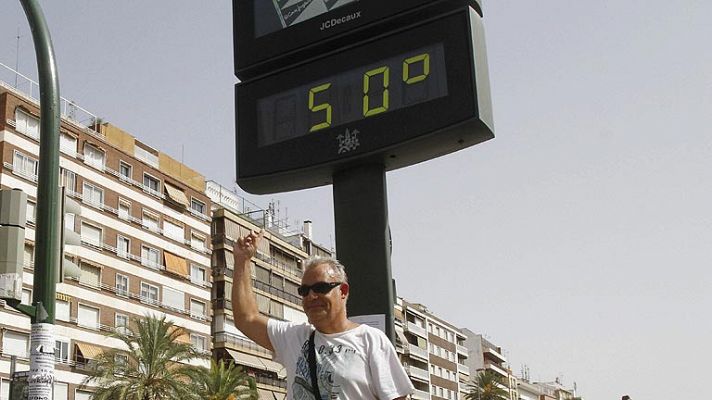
578 239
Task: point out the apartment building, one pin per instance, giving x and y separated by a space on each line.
276 273
485 355
145 237
432 351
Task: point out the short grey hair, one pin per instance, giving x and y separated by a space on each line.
337 270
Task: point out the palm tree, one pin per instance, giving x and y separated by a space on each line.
485 387
153 368
224 381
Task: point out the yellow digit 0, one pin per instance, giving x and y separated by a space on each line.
425 58
320 107
385 71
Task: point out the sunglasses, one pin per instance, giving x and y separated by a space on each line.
319 288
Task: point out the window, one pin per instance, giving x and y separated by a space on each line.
197 309
173 231
15 344
93 156
24 166
121 322
123 247
90 275
93 195
91 234
150 221
122 285
31 212
150 257
69 179
149 293
174 299
29 256
197 206
125 170
88 317
61 391
199 342
197 241
68 144
124 209
27 124
151 184
61 351
261 274
61 310
26 297
197 274
82 395
69 222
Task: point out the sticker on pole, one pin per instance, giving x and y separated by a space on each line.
41 377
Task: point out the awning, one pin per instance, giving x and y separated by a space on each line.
400 337
88 351
176 194
257 362
175 264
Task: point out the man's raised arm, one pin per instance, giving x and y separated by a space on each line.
244 307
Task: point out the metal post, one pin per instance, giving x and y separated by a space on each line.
46 237
363 242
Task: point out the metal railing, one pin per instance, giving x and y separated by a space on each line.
28 88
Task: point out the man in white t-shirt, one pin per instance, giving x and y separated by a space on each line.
352 361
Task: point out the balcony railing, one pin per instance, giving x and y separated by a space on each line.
418 373
462 350
463 369
416 330
416 351
420 395
234 341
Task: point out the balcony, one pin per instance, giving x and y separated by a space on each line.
463 369
462 350
492 353
497 369
418 373
417 352
416 330
420 395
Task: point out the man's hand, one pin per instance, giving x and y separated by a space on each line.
246 248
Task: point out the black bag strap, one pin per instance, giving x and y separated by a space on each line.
312 367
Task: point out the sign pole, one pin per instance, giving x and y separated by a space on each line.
363 242
41 377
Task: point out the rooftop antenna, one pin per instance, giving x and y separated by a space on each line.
17 56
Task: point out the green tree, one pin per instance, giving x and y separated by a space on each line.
484 387
224 381
153 368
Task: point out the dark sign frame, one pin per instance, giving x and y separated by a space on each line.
255 56
406 136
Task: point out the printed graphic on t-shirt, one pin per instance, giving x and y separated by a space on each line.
330 359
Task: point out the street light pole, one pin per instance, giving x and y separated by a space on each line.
47 236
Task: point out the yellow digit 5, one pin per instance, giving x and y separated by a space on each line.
425 58
320 107
385 71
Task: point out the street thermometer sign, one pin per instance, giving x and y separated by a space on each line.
400 98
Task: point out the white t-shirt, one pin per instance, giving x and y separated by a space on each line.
360 363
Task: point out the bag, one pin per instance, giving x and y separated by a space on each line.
312 367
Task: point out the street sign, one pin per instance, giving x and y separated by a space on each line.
399 99
272 34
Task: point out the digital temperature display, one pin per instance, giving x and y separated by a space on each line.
368 91
397 100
